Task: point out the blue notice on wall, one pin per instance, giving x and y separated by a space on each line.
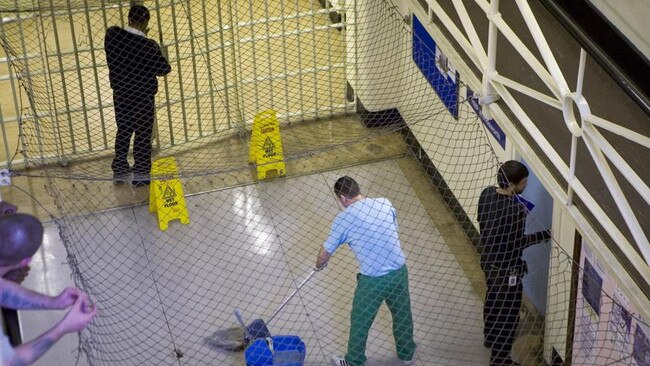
436 67
592 285
641 350
491 124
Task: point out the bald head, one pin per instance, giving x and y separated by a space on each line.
20 237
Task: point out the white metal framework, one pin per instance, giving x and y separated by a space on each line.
583 126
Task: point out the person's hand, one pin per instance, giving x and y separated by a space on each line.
67 297
79 316
322 258
7 208
17 275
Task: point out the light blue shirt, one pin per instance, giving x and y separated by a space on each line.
369 227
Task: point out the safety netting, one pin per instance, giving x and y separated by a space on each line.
355 91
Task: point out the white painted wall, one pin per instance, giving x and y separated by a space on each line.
388 78
631 18
379 57
558 295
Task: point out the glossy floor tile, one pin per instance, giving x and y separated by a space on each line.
247 247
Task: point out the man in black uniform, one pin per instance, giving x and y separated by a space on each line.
502 220
134 62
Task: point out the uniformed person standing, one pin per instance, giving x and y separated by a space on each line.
502 220
134 63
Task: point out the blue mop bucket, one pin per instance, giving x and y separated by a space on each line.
285 350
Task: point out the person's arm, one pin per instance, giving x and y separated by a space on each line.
482 215
160 63
14 296
323 257
338 235
28 353
536 238
524 240
109 45
77 319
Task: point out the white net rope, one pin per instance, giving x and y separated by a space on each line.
162 295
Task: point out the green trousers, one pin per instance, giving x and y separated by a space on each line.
370 293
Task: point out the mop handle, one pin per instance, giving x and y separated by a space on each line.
241 321
290 296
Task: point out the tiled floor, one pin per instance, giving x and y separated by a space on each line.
308 147
247 247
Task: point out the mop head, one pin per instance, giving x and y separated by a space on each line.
236 339
231 339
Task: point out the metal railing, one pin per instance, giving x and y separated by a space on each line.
72 71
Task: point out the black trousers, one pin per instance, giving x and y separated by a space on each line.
134 114
501 315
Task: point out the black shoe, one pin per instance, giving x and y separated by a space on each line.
140 183
119 179
507 362
122 175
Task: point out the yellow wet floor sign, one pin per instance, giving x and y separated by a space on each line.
166 196
266 146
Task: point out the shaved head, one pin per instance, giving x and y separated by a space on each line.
20 237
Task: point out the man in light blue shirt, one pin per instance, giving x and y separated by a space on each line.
369 227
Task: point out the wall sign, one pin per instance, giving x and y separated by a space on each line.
435 66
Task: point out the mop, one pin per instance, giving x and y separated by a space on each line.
237 338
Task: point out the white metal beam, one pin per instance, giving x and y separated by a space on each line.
490 68
530 92
528 57
554 187
457 34
619 130
574 137
543 46
621 165
585 196
619 197
471 32
581 73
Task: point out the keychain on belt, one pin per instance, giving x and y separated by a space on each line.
512 279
